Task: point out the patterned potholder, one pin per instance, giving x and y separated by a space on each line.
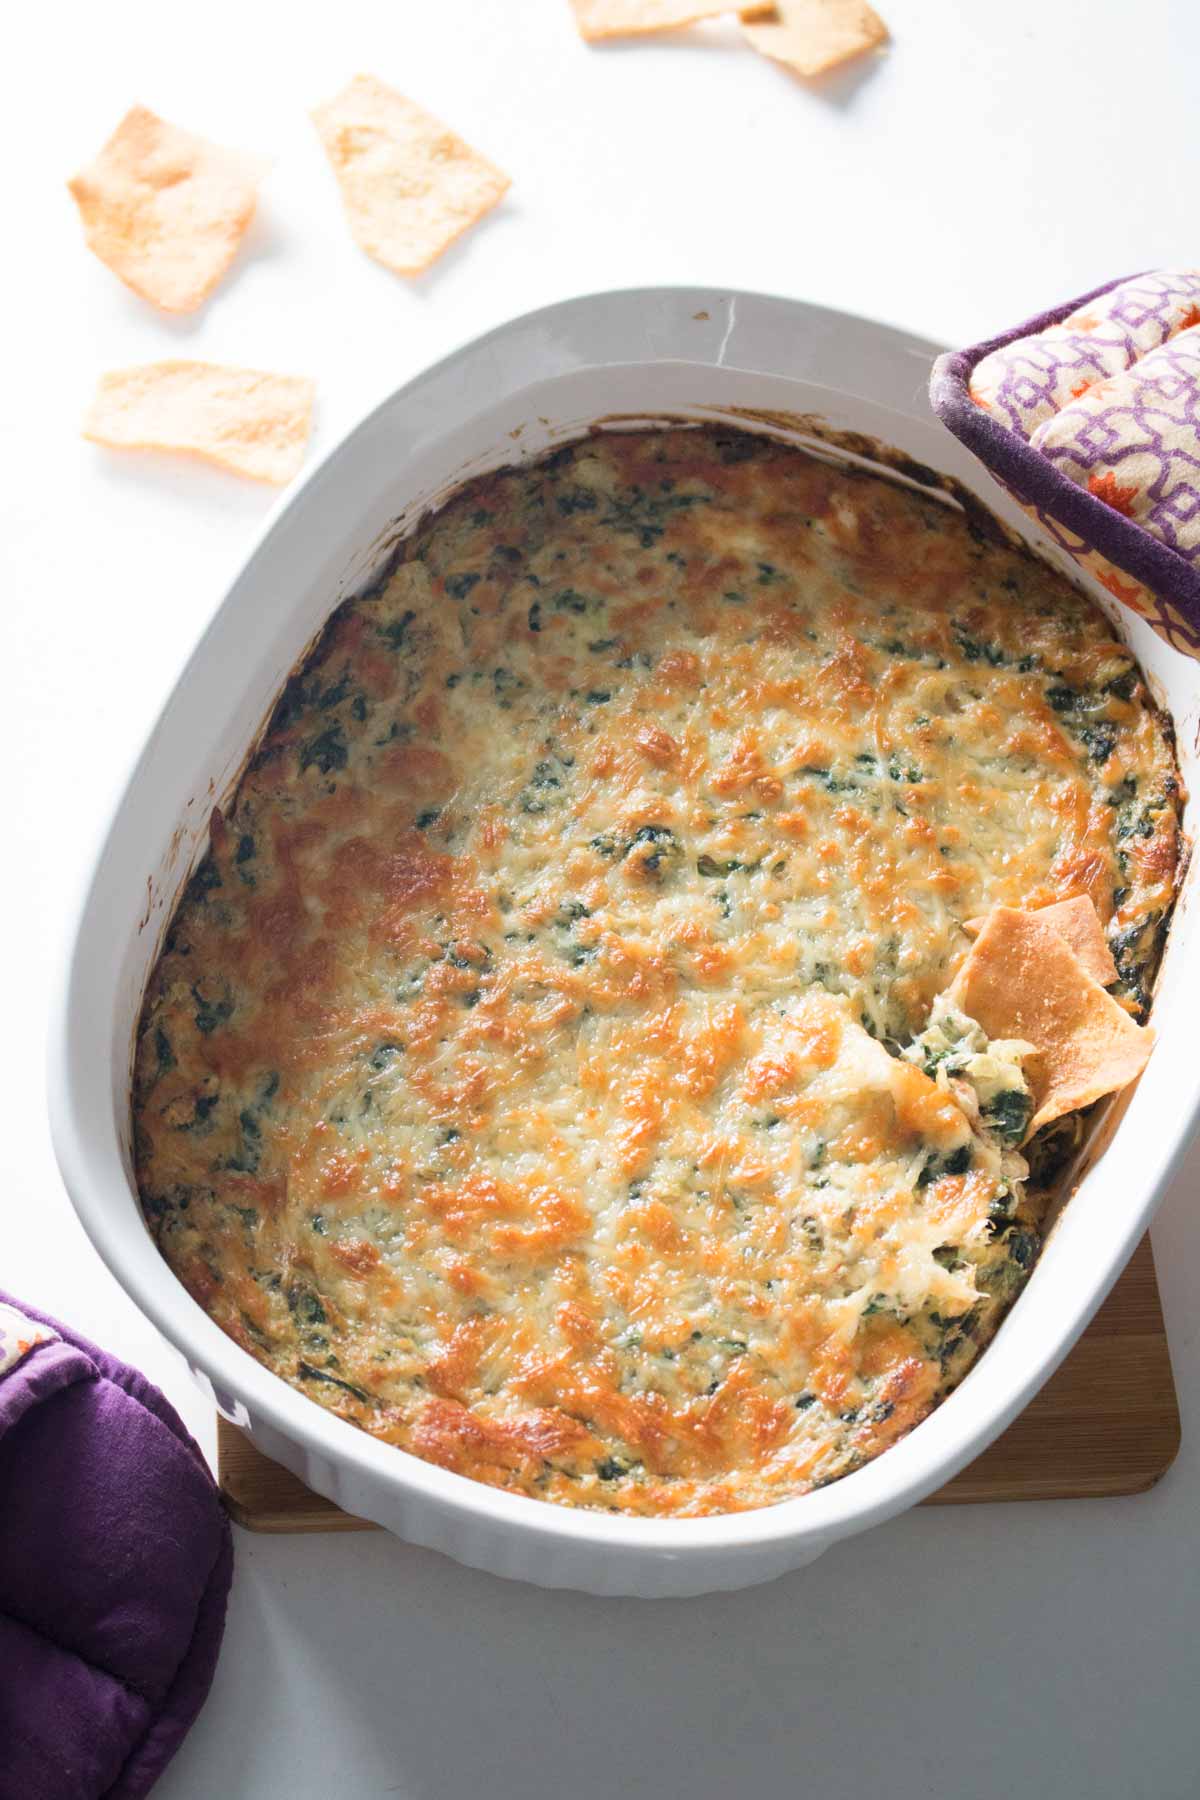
1090 415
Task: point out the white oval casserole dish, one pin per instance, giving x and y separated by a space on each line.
543 378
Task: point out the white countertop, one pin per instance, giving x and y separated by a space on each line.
997 158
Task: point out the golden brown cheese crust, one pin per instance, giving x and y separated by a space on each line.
518 1076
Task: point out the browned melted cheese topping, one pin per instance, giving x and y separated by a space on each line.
519 1077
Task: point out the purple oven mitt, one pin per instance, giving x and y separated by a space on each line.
115 1562
1090 415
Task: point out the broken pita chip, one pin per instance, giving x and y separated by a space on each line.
811 36
598 19
166 210
1022 980
1078 923
409 184
241 419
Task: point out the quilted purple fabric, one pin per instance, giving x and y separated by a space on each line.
1089 415
115 1563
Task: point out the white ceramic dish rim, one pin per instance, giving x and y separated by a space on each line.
335 1456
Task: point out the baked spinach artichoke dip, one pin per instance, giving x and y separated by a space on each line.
632 1013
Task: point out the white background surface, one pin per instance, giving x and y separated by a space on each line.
995 159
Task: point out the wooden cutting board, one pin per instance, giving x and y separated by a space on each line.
1107 1423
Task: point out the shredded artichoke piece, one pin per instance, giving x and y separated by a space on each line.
955 1051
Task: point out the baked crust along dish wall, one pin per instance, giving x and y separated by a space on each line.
550 1068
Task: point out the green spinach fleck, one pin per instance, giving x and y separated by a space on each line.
395 632
326 752
459 586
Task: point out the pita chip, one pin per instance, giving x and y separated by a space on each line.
1078 923
598 19
243 420
1021 979
409 184
811 36
166 210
